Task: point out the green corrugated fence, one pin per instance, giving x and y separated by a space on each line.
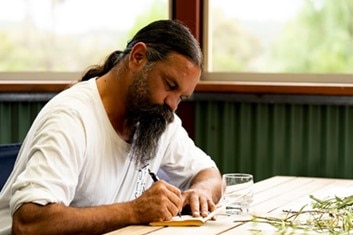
262 138
16 119
277 139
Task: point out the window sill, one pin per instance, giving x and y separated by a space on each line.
299 88
204 86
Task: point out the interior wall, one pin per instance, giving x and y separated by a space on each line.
265 136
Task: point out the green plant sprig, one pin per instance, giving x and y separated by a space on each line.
331 215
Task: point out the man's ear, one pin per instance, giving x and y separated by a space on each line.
138 56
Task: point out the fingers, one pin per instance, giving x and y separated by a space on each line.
199 203
194 205
169 196
160 202
173 194
199 206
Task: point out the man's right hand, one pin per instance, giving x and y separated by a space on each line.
160 202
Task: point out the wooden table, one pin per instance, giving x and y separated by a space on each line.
271 196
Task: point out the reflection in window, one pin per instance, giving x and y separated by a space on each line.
297 36
69 35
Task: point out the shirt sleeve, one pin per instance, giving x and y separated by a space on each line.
183 159
54 148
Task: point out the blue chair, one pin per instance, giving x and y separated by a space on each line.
8 155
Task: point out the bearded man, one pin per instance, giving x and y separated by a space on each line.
83 166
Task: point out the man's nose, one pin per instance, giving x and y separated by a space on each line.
172 101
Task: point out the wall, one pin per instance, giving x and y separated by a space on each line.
263 135
277 135
17 112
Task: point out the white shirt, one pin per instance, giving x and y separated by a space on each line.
72 155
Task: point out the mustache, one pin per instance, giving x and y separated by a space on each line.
154 113
161 112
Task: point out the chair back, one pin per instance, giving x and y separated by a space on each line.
8 155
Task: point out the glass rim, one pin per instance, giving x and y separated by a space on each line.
238 175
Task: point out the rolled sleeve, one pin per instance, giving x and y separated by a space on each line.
54 162
31 193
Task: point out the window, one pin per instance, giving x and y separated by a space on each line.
281 38
69 35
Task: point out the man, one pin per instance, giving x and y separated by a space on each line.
83 167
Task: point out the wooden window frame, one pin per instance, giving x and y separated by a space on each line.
191 13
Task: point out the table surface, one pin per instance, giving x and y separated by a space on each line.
271 197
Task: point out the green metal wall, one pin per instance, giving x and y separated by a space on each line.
16 118
264 139
277 139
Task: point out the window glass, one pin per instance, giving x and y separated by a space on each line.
276 36
69 35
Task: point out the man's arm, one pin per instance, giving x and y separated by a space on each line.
205 191
160 202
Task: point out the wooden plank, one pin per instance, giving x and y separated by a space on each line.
273 192
283 194
275 87
346 89
263 229
222 224
329 188
266 184
135 229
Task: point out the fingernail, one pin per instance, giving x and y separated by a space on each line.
196 213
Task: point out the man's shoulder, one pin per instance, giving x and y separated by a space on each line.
78 96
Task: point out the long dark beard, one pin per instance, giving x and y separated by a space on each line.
147 121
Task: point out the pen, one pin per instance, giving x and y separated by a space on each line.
153 175
155 179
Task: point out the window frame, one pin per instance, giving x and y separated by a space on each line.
194 13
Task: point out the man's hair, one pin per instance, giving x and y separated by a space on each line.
161 38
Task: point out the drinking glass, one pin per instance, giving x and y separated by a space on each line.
238 193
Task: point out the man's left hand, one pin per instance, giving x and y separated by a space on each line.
199 200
